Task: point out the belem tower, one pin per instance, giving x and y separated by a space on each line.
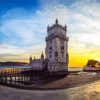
56 50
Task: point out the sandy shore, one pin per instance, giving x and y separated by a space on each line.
70 81
84 92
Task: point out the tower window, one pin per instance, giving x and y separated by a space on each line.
50 56
50 48
56 53
50 41
62 55
50 52
62 47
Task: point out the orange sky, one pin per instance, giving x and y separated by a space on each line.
78 57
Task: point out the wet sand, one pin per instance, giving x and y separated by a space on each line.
70 81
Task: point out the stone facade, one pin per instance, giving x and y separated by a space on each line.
56 50
56 47
37 64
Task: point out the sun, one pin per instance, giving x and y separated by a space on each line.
98 59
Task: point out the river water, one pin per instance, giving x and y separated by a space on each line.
1 67
69 68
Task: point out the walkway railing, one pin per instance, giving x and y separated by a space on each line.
15 76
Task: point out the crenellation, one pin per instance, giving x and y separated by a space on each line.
57 25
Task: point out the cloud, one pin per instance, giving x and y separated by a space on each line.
27 30
8 49
20 28
86 20
4 56
83 23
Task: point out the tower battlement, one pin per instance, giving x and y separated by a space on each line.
57 25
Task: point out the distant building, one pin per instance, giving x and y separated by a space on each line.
56 50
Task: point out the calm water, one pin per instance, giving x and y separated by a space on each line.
75 68
1 67
70 68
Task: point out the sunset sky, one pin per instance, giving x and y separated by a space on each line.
23 26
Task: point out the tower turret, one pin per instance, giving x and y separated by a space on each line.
42 56
56 21
47 27
65 27
30 60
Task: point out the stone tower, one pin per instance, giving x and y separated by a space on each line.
56 47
